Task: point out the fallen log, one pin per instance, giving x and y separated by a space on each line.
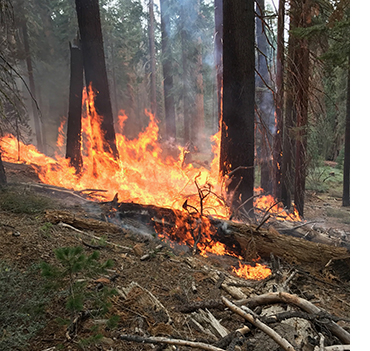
245 240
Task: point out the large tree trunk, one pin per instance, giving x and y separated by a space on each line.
219 29
265 100
73 147
88 16
346 166
153 84
279 103
290 116
35 110
237 127
169 102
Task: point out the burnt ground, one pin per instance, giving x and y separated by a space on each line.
174 277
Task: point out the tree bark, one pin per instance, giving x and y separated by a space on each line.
153 84
169 102
346 166
88 16
290 116
73 146
35 110
237 129
279 103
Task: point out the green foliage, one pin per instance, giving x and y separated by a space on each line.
71 275
22 301
23 201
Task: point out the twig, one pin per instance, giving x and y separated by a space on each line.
159 340
249 316
94 236
263 222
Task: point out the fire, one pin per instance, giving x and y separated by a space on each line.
257 272
142 175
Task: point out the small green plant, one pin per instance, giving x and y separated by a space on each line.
72 275
46 228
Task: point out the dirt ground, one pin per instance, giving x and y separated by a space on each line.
173 277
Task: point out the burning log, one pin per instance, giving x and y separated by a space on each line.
241 239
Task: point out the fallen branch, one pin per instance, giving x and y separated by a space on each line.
249 316
160 340
283 297
65 225
338 348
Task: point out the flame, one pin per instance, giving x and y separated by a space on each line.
256 272
142 174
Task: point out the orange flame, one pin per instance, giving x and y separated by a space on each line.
142 175
257 272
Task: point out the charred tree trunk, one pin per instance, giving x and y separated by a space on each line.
346 166
279 103
237 129
153 84
35 110
169 102
218 55
89 24
73 147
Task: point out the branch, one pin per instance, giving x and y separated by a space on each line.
249 316
283 297
162 340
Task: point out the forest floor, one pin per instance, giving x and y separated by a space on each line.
172 277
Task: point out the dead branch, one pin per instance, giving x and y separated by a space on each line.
65 225
159 340
193 306
249 316
283 297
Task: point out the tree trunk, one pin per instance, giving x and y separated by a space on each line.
237 130
35 110
301 91
346 166
290 116
73 147
279 103
265 101
218 55
169 102
153 84
88 16
2 173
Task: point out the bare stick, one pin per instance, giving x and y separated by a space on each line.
305 305
160 340
338 348
94 236
248 315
